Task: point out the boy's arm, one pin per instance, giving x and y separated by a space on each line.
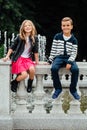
73 55
73 52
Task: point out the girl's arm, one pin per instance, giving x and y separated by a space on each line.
8 55
36 58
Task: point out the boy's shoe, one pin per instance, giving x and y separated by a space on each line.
56 93
75 95
14 85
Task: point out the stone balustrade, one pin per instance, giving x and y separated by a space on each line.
37 110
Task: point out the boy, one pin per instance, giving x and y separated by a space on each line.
63 54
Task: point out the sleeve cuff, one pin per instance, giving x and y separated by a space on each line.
69 62
49 62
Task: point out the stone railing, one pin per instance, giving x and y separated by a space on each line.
37 110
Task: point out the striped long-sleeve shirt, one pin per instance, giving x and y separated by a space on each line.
64 48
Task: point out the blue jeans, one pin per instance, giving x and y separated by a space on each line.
61 61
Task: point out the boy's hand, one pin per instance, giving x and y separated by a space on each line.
68 66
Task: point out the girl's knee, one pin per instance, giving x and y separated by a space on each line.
25 74
32 70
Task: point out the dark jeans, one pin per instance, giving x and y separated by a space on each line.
59 62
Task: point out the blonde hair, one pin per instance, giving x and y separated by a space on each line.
22 32
67 19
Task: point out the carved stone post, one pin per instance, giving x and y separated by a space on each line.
57 106
5 87
75 104
39 95
5 96
41 70
21 98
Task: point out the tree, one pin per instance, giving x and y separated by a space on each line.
46 17
10 15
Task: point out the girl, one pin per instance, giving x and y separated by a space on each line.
24 45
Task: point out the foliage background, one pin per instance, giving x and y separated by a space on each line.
46 17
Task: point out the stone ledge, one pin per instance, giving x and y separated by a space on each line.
50 122
6 122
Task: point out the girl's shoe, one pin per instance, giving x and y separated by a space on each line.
14 85
29 85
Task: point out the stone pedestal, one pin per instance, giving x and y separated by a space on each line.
5 96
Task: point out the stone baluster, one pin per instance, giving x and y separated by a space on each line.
74 107
65 99
39 95
57 105
84 90
21 100
75 104
83 81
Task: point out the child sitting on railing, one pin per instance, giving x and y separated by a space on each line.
21 49
63 54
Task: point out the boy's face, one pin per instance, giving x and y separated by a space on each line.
66 27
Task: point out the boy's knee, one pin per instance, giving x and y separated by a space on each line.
54 69
75 70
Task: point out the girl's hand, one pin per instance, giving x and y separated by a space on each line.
37 63
6 58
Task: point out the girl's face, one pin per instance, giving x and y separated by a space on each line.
27 27
66 27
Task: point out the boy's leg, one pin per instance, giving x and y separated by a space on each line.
57 64
74 79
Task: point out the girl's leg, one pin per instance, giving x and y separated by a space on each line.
31 72
30 80
14 83
22 76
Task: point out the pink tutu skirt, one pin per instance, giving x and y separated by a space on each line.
22 64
